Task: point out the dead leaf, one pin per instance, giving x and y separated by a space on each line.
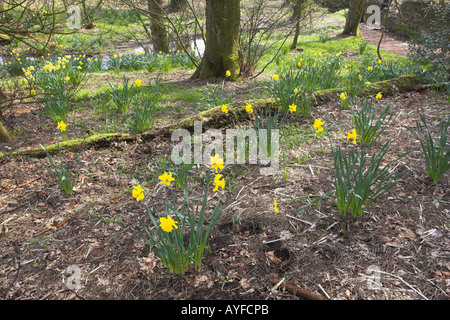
271 256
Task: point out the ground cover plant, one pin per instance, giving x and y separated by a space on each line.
358 207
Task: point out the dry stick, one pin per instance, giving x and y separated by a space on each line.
298 291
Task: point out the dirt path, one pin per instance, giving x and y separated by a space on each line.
390 42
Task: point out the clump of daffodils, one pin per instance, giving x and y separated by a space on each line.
168 239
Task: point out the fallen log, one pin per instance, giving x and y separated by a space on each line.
215 118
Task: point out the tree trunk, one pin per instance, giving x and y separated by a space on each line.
353 19
298 11
222 47
159 33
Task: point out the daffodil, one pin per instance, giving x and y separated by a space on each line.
138 82
167 224
67 79
292 108
379 61
299 64
61 126
352 135
218 182
369 68
33 92
166 178
216 162
276 77
249 108
378 96
115 56
228 73
318 123
343 96
338 54
275 206
138 193
224 108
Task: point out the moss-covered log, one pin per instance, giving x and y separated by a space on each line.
215 118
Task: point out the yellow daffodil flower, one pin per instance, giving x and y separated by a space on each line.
166 178
218 182
292 108
167 224
378 96
61 126
343 96
228 73
224 108
249 108
352 135
138 193
217 162
318 123
275 206
276 77
138 82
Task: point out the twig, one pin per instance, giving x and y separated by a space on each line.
323 290
298 291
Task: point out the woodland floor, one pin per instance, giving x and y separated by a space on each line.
405 233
